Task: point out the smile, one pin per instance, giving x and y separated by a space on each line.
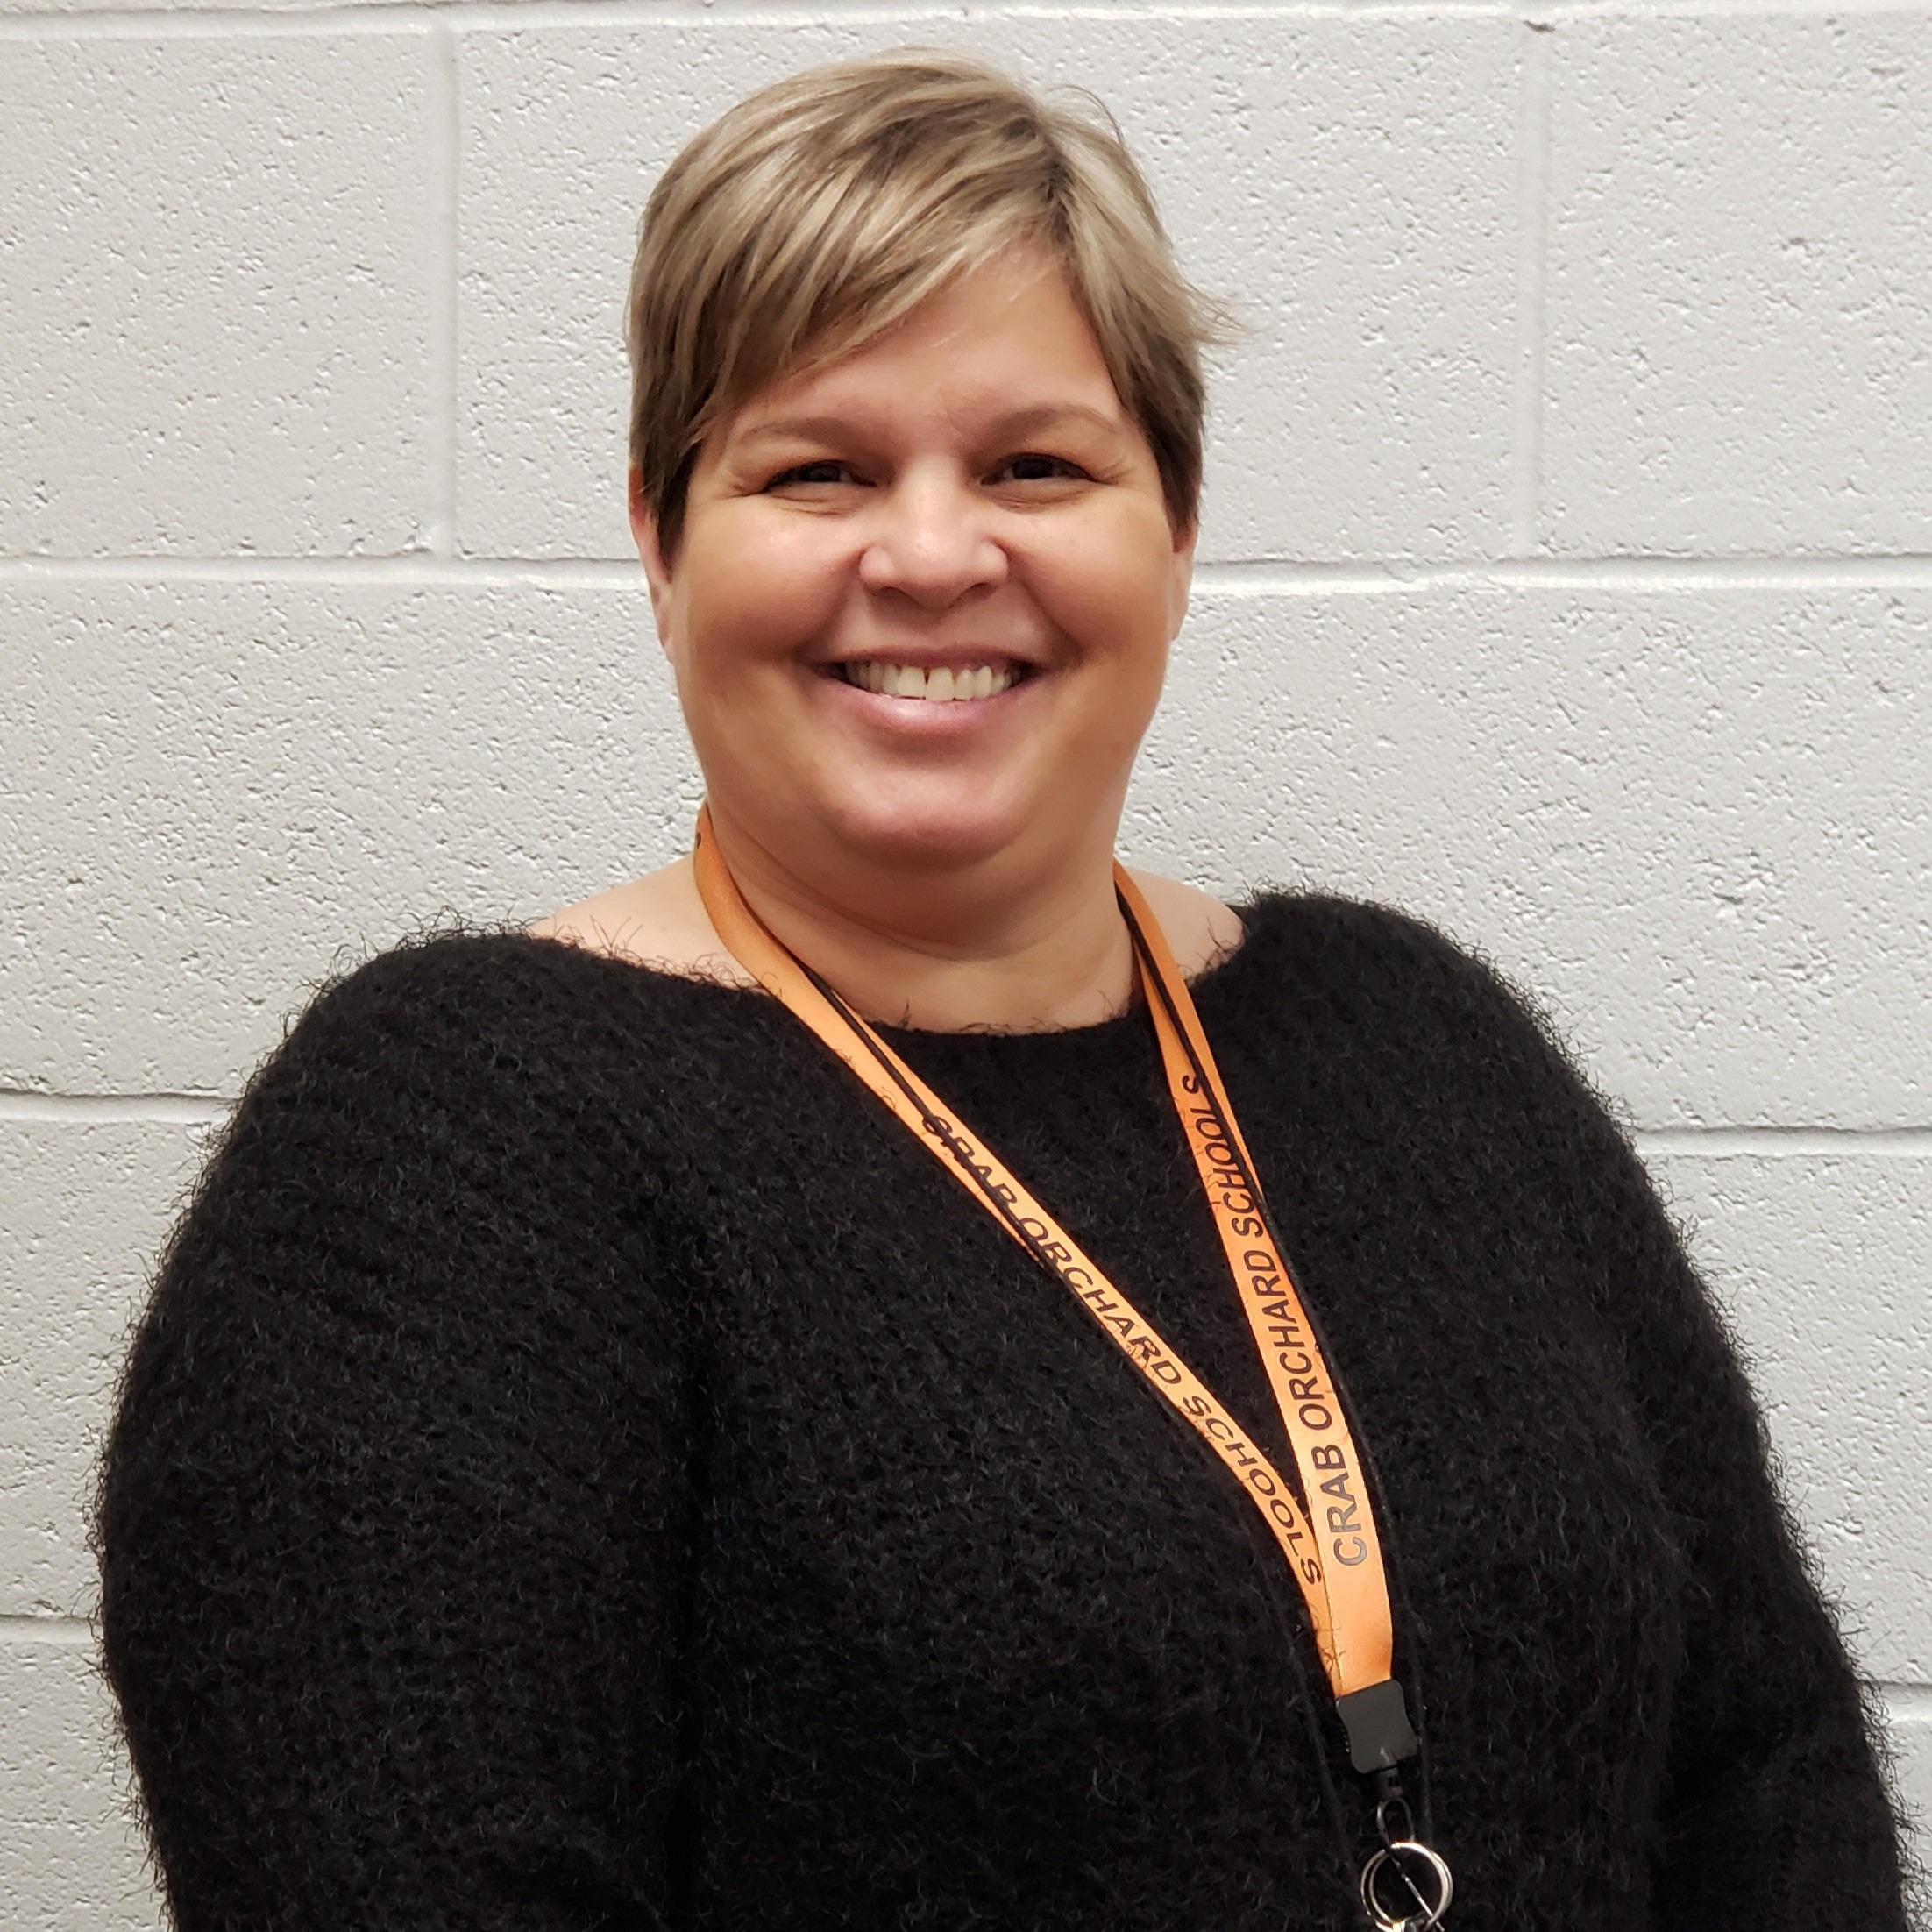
940 684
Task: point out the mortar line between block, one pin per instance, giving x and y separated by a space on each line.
1261 578
188 1110
1241 578
227 19
1910 1702
1717 1141
62 1633
207 1109
188 22
1533 221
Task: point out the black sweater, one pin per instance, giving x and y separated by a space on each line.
585 1465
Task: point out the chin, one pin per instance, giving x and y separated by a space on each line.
936 832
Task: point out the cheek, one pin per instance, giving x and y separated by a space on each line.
1114 595
748 597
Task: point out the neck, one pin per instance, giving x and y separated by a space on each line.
1005 945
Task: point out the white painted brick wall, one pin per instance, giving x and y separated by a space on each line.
1569 579
215 308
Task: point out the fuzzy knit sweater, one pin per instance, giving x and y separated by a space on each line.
585 1466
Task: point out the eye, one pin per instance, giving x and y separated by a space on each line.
1035 466
824 470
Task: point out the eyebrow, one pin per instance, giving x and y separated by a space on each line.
826 429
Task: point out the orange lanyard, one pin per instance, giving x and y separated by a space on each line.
1327 1535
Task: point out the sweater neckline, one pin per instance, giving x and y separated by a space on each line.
1096 1032
1209 980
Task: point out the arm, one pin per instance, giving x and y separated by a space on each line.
1775 1815
394 1510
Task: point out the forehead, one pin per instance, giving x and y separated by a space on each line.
1006 339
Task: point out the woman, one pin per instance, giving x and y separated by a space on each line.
1090 1408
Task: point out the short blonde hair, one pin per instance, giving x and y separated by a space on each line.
818 212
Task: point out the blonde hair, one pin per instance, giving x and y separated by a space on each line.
818 212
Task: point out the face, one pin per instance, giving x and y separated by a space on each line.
921 608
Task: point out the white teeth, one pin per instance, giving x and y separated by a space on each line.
941 686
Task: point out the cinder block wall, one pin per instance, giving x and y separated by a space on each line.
1567 576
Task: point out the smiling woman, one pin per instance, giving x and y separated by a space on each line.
919 608
944 419
895 1372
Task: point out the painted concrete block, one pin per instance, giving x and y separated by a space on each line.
1348 185
1694 824
84 1206
76 1861
1739 319
1823 1266
1909 1734
223 791
215 307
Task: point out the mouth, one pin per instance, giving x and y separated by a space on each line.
934 684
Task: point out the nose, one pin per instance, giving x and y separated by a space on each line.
932 541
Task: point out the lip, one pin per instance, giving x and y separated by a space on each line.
936 657
924 717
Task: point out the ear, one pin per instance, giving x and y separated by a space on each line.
643 532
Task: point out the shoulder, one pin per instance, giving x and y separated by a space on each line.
523 1003
1338 942
1200 931
457 1060
455 1132
1376 1031
428 1249
1379 987
434 1010
492 1056
362 1096
1321 929
658 920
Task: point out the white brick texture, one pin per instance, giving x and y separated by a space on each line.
238 787
213 304
84 1206
1740 318
74 1860
1822 1263
1347 185
1693 822
1567 578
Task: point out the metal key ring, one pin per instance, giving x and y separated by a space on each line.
1426 1914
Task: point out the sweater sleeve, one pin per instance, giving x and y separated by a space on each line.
1776 1817
395 1502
